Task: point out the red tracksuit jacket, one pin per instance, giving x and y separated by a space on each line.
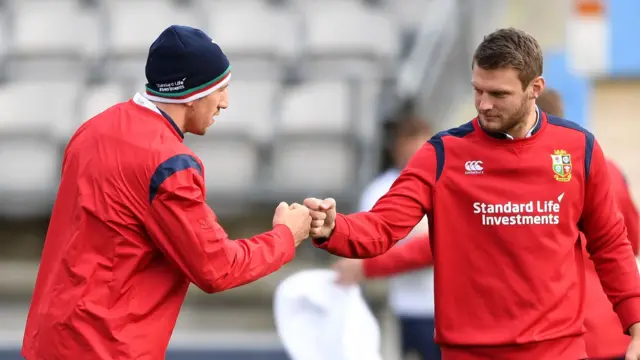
130 230
412 255
505 221
604 337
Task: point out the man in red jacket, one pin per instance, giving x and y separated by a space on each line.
130 228
507 196
604 338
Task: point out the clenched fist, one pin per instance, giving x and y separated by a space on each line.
323 215
296 217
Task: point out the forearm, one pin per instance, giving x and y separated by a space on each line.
607 243
216 263
618 272
395 214
413 255
360 235
187 232
250 259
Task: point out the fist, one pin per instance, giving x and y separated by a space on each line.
323 216
296 217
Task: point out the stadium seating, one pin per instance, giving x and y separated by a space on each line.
43 38
306 74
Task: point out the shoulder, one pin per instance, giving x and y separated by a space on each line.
572 131
457 132
566 125
571 128
173 158
436 151
169 163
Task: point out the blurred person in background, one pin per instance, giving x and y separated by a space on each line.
507 196
604 337
130 228
410 294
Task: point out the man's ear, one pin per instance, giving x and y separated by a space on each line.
537 87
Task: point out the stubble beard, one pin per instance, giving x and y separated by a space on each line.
518 119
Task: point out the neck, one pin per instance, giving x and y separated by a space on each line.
520 131
175 112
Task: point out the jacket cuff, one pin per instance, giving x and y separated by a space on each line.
339 235
629 313
286 240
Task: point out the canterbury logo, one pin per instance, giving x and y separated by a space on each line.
473 167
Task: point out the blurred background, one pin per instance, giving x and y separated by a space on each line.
333 73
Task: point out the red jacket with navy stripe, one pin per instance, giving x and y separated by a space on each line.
604 337
505 222
130 230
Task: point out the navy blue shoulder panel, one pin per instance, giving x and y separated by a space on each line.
438 145
169 167
588 136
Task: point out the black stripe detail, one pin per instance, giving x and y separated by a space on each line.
173 123
588 136
169 167
438 144
588 148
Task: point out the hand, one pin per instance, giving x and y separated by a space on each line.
633 350
350 271
323 215
296 217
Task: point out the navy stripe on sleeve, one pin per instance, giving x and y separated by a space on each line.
169 167
436 142
589 140
438 145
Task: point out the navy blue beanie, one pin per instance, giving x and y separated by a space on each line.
183 65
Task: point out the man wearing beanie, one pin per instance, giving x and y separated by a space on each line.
130 228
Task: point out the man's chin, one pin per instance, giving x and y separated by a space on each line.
490 124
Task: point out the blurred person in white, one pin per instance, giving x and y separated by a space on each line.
411 293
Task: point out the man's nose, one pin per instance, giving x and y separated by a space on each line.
485 105
224 102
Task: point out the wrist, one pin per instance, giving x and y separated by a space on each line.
331 228
634 330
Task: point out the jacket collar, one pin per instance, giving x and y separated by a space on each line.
144 102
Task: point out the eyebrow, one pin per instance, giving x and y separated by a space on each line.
496 91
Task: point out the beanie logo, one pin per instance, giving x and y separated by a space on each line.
172 86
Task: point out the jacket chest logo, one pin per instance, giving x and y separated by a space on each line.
561 164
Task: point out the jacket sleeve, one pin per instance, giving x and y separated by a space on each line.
412 255
606 236
626 205
186 230
372 233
